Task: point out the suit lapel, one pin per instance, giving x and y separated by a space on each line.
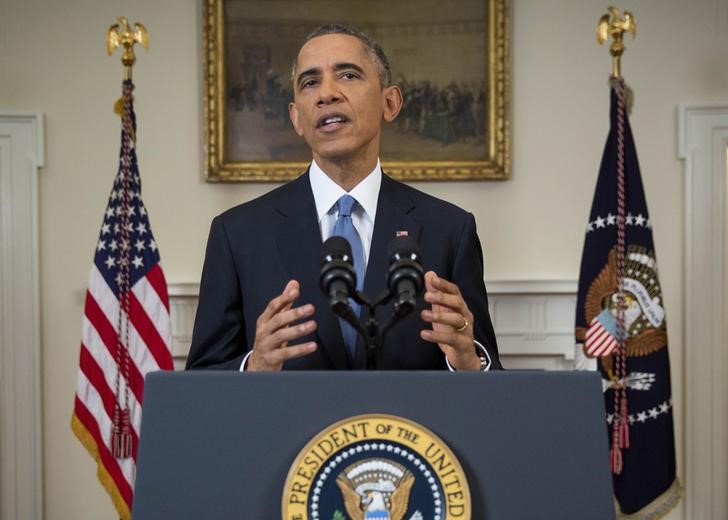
393 208
299 242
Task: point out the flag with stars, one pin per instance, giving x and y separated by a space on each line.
621 328
126 329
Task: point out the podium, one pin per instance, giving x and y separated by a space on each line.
219 445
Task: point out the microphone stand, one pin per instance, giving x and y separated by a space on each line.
371 332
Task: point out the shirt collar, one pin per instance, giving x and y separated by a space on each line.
326 192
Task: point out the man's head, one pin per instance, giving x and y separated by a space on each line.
341 96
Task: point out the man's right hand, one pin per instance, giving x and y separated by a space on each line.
273 331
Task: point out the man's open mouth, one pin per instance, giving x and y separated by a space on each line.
331 121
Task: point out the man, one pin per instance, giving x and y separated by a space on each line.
342 95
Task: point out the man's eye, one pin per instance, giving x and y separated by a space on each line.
308 83
348 75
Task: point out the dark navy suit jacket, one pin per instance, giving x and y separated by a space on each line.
255 248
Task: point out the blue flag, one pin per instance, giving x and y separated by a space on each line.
621 326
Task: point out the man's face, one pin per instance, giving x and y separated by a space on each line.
339 103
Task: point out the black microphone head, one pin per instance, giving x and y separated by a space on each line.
402 246
336 247
337 270
405 274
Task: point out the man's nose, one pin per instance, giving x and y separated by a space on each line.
328 90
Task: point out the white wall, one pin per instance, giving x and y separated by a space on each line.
52 59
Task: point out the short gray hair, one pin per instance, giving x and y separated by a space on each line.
372 47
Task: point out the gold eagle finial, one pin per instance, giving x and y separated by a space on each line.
121 34
615 27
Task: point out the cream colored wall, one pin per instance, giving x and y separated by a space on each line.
52 59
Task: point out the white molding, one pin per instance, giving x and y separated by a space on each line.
183 290
533 319
534 322
703 141
182 310
21 155
531 287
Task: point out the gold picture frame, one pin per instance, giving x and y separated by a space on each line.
454 126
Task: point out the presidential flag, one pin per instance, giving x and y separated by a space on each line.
126 328
621 327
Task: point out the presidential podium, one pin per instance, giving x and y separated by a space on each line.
219 445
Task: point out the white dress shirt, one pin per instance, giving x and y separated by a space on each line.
326 194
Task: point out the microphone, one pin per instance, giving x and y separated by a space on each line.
405 277
338 278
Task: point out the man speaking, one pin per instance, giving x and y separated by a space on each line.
260 306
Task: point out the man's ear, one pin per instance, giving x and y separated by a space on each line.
293 114
392 102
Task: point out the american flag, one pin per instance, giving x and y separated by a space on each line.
126 329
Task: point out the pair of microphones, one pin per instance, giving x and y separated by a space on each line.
405 282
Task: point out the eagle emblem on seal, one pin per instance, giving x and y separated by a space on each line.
644 314
375 489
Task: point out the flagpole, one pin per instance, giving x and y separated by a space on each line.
125 334
615 322
121 34
616 27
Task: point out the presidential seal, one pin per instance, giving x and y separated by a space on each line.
644 314
376 467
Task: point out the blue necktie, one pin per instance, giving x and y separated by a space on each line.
344 227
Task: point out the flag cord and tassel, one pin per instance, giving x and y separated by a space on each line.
122 35
620 425
121 443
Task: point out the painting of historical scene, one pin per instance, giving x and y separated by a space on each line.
440 58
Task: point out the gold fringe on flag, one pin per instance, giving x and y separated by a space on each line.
89 443
658 508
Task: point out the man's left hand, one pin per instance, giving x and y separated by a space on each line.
452 323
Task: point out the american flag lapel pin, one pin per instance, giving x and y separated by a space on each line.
402 233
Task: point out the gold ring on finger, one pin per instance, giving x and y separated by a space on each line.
464 325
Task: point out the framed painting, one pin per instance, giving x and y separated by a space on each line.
452 65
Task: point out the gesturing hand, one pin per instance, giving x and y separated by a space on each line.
273 331
452 323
